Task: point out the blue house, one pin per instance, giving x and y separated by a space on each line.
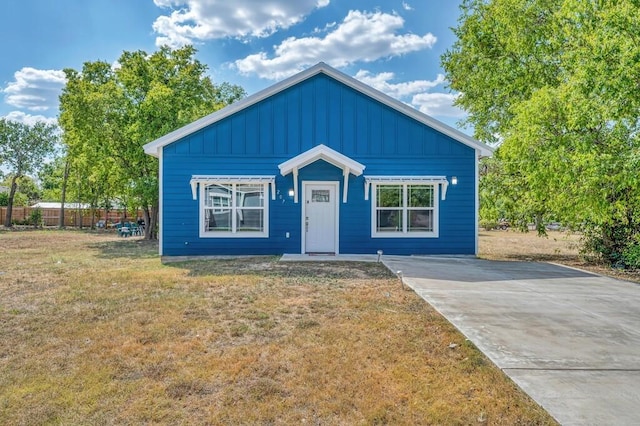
318 163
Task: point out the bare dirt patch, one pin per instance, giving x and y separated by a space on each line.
95 330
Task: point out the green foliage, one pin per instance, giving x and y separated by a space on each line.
51 178
28 187
23 149
488 224
27 191
556 84
631 256
19 199
35 217
109 114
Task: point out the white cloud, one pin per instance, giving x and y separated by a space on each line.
29 119
35 90
197 20
406 6
415 93
438 104
361 36
397 90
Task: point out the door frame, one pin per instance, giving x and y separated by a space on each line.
336 198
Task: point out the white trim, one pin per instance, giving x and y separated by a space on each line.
211 179
264 181
345 188
295 185
321 152
440 181
406 234
153 148
325 153
160 202
303 233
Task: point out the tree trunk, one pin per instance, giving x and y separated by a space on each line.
151 223
12 194
79 212
93 208
154 222
65 178
146 216
92 212
106 214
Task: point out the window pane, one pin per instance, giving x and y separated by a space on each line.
320 195
217 220
217 196
250 220
420 221
389 220
249 195
389 195
420 195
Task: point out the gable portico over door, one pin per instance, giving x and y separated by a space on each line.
320 199
320 217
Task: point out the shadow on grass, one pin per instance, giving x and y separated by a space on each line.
136 248
270 266
131 248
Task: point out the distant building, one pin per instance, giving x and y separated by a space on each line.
53 205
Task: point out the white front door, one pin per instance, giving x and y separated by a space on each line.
320 206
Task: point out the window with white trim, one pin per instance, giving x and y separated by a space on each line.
234 209
404 209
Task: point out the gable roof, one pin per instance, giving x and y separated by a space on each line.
153 148
321 152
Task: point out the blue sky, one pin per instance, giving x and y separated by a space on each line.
393 45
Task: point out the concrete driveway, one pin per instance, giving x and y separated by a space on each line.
568 338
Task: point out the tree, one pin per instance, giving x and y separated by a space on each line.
556 84
109 114
53 178
23 148
50 177
27 191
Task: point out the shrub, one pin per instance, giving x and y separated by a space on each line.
631 256
488 225
35 218
607 241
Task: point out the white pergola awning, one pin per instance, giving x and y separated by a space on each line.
425 180
221 179
321 152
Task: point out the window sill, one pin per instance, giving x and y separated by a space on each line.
234 235
404 235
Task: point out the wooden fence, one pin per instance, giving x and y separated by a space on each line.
72 217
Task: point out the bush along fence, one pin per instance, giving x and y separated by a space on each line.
73 217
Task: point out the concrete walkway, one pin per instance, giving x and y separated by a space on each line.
568 338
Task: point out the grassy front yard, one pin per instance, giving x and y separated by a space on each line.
94 330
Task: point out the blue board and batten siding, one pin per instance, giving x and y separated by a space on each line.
319 110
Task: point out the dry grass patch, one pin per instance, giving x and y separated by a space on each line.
558 247
96 331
